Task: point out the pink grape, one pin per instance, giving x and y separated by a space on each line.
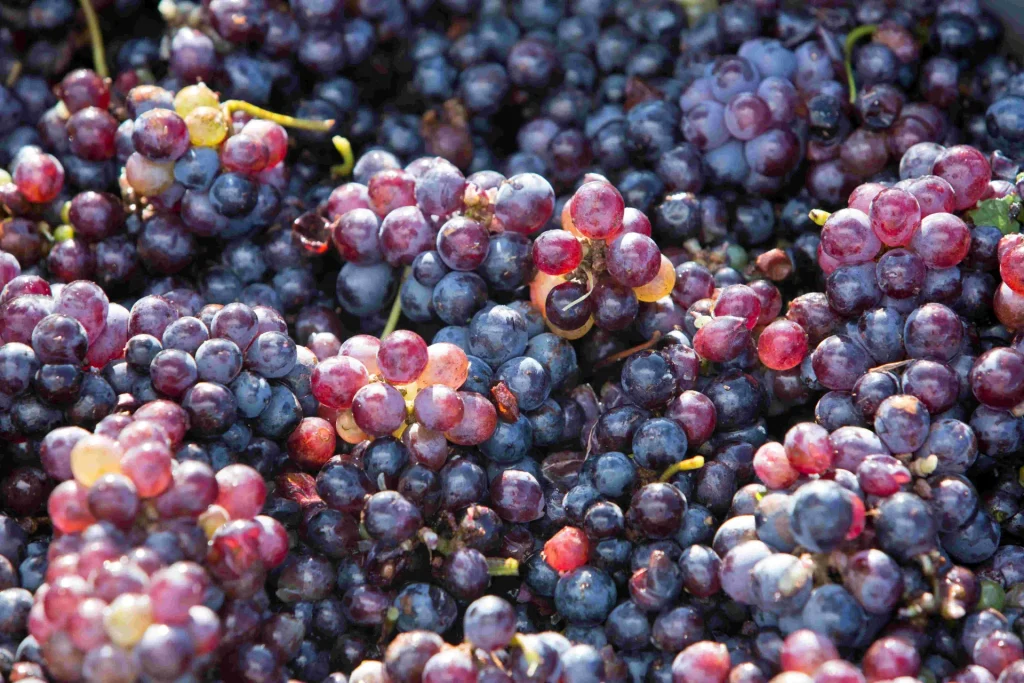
740 301
847 237
722 339
862 196
967 171
438 408
335 381
479 418
378 409
782 345
402 357
895 215
597 209
633 259
557 252
773 467
1011 268
364 349
241 491
942 240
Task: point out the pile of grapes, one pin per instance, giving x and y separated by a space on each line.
502 341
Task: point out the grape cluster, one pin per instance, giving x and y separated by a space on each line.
459 239
599 266
131 608
373 383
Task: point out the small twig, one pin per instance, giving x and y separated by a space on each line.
615 357
577 301
890 366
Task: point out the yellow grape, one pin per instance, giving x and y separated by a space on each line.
347 428
572 334
212 519
127 618
206 126
568 224
662 284
540 286
148 178
191 97
93 457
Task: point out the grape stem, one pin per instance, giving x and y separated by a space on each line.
851 39
529 654
13 74
616 357
280 119
396 306
99 57
348 160
577 301
694 463
501 566
818 216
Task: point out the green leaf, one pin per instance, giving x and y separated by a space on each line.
996 212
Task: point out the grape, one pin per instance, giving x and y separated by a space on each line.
633 259
933 194
996 380
462 243
378 409
722 339
596 210
335 381
1011 265
942 240
402 357
356 236
557 252
847 236
967 171
478 422
894 215
38 176
438 408
746 116
782 345
808 448
524 203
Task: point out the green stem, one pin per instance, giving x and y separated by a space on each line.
396 307
99 57
497 566
818 216
694 463
348 159
280 119
529 654
851 39
13 74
